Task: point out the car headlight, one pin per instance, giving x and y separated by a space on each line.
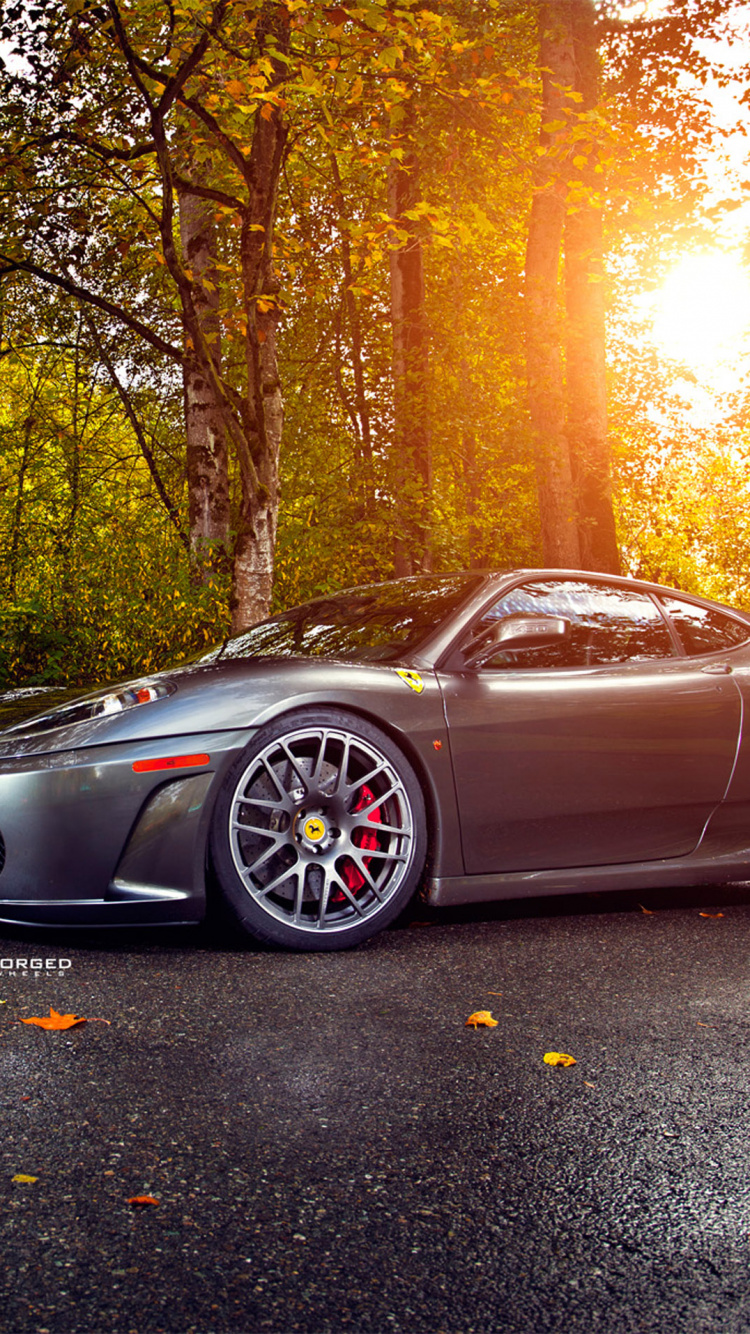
97 706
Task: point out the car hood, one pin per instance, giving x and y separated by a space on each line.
218 696
26 702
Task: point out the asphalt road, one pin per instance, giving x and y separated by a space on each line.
333 1149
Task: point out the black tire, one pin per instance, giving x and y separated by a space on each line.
318 837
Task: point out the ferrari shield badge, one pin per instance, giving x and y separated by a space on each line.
412 679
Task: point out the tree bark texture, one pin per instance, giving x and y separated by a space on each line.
412 448
263 411
207 455
585 325
544 330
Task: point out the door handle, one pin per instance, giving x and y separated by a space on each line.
717 669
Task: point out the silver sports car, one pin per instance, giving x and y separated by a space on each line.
478 735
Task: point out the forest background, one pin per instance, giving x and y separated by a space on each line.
296 296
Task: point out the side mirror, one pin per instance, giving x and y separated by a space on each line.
520 633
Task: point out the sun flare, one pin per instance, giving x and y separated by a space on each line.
702 313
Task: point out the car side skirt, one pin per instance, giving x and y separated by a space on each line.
678 872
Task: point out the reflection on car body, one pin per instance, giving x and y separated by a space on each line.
479 735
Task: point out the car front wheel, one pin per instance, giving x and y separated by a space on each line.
318 837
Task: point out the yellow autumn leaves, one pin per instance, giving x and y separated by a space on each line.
483 1019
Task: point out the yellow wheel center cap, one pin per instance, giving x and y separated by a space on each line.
314 829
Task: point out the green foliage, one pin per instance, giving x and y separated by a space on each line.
132 628
94 583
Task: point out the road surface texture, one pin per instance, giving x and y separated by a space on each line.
333 1149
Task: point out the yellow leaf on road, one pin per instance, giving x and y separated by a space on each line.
23 1176
558 1058
481 1019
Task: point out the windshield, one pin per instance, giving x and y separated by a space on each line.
374 623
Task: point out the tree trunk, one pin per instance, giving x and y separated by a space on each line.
205 428
412 452
358 409
557 506
263 412
585 350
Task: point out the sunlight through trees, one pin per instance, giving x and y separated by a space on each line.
296 295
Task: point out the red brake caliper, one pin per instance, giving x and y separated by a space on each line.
351 874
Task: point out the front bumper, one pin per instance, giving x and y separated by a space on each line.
88 840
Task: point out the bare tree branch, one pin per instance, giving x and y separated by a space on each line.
139 433
10 265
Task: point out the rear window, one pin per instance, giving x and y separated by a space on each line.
704 629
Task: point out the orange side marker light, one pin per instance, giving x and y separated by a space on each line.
170 762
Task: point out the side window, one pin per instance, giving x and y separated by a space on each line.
703 629
608 625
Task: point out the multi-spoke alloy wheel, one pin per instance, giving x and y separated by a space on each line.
318 836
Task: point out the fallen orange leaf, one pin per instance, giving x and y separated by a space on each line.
559 1058
648 911
142 1199
56 1020
60 1021
481 1019
710 914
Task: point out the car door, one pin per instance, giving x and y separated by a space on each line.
609 747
